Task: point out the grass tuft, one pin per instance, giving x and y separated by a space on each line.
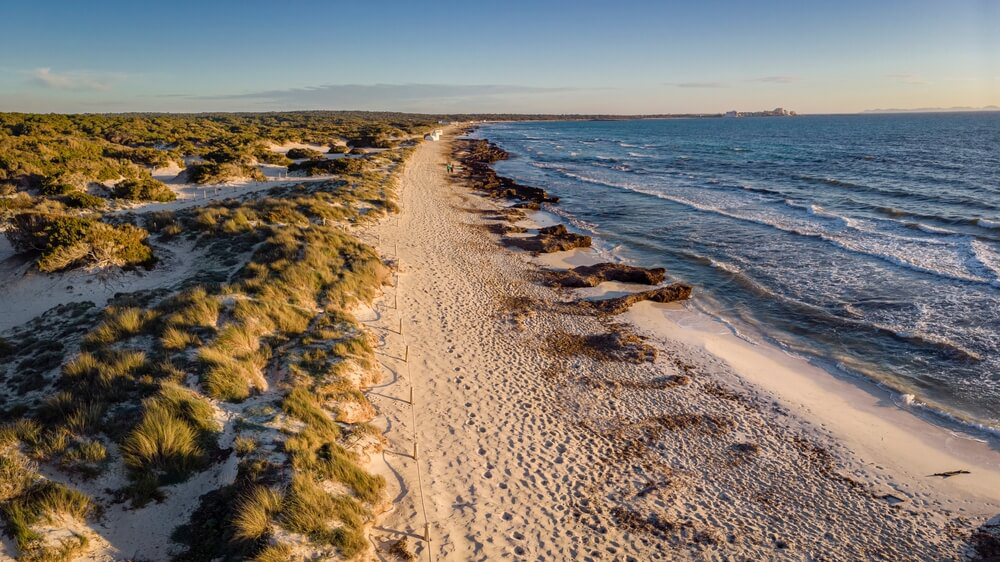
175 339
119 324
164 443
255 511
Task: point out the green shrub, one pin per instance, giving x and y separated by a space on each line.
145 156
216 172
337 166
54 186
142 189
65 241
81 200
338 149
267 156
303 153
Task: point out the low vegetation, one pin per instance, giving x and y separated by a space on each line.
142 189
324 166
222 172
63 241
148 384
303 153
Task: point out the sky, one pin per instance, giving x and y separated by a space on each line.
541 56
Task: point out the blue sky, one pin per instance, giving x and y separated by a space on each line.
449 56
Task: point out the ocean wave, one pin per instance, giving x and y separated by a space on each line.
918 339
987 257
986 223
640 155
756 189
914 195
827 237
931 229
829 181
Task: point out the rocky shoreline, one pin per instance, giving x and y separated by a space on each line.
476 157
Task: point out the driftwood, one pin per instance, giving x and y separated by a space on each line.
949 473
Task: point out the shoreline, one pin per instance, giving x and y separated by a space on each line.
942 434
857 411
514 436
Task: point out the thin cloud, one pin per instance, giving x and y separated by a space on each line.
699 84
777 79
368 94
906 78
75 80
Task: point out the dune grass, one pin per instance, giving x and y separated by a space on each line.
171 441
165 443
283 311
176 339
274 553
231 377
244 445
40 502
255 512
193 308
310 510
302 404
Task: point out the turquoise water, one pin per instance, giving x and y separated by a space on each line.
870 243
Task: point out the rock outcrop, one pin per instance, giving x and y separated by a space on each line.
670 293
592 275
550 239
477 156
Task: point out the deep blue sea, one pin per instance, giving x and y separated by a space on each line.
867 243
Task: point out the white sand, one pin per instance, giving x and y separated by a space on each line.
528 454
26 292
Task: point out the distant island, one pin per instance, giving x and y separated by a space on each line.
934 109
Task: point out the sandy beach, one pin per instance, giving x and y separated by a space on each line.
533 444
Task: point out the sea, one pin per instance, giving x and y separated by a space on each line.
868 244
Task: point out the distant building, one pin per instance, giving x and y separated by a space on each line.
776 112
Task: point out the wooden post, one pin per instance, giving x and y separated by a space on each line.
406 355
411 396
414 450
400 326
427 532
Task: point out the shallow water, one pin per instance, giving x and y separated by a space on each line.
869 242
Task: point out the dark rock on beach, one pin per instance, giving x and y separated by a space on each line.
504 228
505 214
477 156
670 293
592 275
550 239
